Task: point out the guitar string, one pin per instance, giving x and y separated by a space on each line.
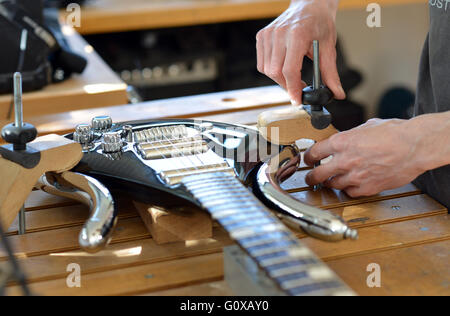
177 173
181 152
183 163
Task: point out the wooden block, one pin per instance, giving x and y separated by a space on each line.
57 154
167 226
285 126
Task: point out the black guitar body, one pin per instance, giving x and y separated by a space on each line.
126 172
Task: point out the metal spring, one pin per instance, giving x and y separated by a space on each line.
160 133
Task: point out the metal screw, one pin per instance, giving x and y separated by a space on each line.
316 78
18 108
18 121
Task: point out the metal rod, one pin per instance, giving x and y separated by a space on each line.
316 78
18 121
22 223
18 99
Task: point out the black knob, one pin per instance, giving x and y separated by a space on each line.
19 136
317 97
18 133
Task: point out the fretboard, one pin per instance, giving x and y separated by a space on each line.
294 268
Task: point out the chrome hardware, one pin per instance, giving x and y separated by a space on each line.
101 123
206 126
174 148
112 142
127 133
161 133
97 230
83 135
316 222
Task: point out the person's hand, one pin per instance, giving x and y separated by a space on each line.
376 156
282 45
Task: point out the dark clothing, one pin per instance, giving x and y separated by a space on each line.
433 90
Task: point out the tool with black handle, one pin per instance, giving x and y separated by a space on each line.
44 162
311 120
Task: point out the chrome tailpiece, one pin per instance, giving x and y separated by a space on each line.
314 221
97 230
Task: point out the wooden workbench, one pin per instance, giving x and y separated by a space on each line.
404 231
105 16
97 86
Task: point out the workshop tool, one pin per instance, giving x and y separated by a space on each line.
44 162
183 163
311 120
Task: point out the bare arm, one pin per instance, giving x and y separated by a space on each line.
382 154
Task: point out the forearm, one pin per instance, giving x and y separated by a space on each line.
433 134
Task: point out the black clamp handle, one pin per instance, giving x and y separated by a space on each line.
315 97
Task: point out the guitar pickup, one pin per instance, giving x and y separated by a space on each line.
172 148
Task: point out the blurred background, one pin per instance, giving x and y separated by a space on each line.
170 48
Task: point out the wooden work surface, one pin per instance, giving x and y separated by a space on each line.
104 16
97 86
404 231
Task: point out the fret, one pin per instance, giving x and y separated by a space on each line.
263 220
288 273
246 232
230 204
290 282
270 248
221 214
222 195
238 217
261 240
293 262
276 260
227 188
315 288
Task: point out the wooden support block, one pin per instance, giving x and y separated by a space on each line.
57 154
285 126
167 226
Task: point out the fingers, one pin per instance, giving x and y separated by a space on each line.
277 58
318 151
330 76
267 38
260 51
356 191
292 68
340 182
322 173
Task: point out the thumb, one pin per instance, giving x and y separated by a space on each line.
330 76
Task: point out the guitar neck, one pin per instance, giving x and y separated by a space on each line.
274 248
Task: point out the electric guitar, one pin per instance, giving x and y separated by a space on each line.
231 171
